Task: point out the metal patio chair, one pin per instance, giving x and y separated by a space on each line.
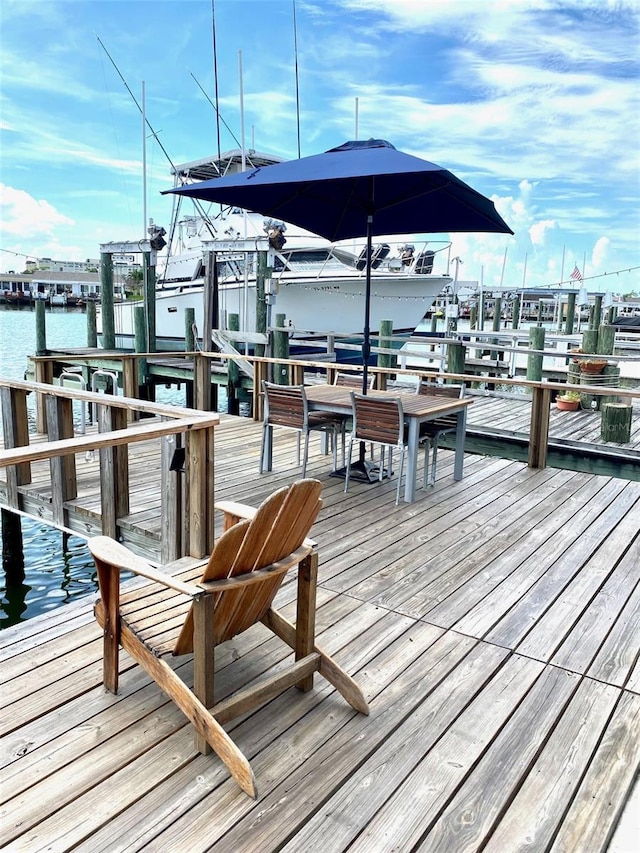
378 421
286 406
430 431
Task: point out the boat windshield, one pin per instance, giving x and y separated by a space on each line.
298 258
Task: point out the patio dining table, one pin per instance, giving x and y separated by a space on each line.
417 409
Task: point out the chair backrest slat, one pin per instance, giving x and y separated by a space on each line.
352 380
432 389
378 419
278 528
285 405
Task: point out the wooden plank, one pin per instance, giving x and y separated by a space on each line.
326 737
591 630
565 609
594 811
620 651
478 804
537 811
513 607
427 788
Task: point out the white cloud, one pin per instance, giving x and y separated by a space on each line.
538 231
600 253
26 216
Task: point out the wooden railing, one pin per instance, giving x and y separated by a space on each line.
186 505
540 392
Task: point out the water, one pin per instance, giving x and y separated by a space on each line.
56 572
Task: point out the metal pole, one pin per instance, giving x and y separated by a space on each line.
366 343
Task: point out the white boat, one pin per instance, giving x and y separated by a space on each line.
318 286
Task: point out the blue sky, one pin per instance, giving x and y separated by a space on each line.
535 103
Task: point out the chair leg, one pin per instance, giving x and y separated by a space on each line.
348 471
306 613
201 718
263 447
298 453
434 460
306 452
334 441
402 452
425 473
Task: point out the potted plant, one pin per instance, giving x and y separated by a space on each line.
593 365
568 401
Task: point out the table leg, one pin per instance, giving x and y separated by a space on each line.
412 460
460 434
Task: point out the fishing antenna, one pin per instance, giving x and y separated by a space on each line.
295 50
215 71
196 202
237 141
133 98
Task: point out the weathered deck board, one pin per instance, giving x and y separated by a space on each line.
493 625
514 413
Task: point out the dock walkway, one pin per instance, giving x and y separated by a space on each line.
494 626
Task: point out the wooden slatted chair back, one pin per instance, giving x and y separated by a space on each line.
285 405
352 380
444 422
278 529
378 419
432 389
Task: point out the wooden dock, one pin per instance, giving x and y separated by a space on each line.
494 625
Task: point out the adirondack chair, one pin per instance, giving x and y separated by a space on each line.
178 615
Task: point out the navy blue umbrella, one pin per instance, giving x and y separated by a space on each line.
357 189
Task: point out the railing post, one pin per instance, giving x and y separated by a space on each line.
44 374
539 427
130 383
171 516
114 471
64 485
15 427
202 382
199 459
259 373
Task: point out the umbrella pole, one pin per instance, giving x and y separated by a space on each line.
366 341
362 470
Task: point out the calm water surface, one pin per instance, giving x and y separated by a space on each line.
56 571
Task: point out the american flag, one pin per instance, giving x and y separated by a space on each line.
576 275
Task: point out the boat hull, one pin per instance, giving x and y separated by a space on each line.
332 306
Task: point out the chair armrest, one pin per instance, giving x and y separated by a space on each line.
235 509
112 553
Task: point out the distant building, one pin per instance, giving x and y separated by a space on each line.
55 288
122 265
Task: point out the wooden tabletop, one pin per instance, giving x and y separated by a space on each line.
412 404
